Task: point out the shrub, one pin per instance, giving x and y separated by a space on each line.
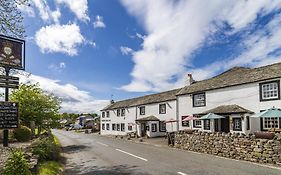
16 164
46 149
22 134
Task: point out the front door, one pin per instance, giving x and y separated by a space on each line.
143 129
225 124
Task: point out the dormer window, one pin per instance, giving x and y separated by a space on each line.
199 100
270 91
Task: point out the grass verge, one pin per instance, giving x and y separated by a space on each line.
50 168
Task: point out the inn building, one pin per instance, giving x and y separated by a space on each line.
236 95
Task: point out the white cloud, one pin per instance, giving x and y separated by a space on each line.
45 12
59 38
99 23
126 50
57 67
78 7
175 29
73 99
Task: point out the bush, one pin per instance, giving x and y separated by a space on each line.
22 134
47 149
16 164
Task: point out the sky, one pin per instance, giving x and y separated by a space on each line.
88 52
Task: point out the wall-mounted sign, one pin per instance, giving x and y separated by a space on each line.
12 52
9 115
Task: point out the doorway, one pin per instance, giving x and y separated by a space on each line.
225 124
143 129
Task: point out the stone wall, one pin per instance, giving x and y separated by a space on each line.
235 146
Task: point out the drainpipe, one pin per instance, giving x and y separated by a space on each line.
136 121
177 112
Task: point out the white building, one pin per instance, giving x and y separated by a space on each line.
235 94
145 115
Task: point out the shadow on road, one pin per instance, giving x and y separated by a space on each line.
114 170
73 148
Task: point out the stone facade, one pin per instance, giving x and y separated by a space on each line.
235 146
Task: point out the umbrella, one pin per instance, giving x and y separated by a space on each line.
211 116
272 112
269 113
189 118
171 121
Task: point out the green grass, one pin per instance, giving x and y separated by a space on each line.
50 168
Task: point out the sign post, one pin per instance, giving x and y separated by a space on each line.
12 56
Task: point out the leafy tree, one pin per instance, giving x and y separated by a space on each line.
11 19
36 105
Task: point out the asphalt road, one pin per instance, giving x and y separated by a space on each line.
91 154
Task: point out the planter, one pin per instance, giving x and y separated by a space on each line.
264 135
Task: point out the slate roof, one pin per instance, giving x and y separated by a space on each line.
234 76
148 99
149 118
228 109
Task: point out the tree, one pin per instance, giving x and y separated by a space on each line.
36 105
11 19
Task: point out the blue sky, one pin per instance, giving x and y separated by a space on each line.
86 51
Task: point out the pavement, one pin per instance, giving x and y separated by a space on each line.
92 154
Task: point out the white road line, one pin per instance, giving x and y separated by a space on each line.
181 173
102 144
131 154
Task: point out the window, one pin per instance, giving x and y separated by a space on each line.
147 127
248 122
154 127
103 126
237 124
270 122
103 114
270 91
206 124
130 128
162 108
162 126
118 112
123 112
122 126
142 110
199 100
184 123
118 127
107 126
107 113
114 127
196 123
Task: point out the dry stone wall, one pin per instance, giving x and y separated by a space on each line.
235 146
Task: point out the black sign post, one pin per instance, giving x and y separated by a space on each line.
12 56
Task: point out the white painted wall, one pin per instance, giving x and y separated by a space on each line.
246 96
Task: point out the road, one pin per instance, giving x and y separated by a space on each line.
91 154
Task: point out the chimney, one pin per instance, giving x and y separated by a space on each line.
111 101
189 80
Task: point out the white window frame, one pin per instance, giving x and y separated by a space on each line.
270 90
268 123
123 127
153 127
162 108
123 111
118 112
197 123
199 100
142 110
107 126
237 122
107 114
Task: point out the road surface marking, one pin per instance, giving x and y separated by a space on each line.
131 154
181 173
102 144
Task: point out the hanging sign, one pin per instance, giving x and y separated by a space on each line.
9 115
12 52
